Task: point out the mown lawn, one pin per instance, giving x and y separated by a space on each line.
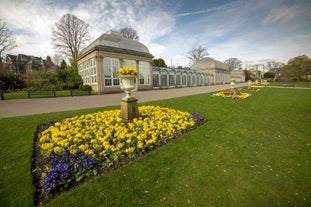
295 83
24 94
252 152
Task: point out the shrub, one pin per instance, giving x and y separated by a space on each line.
85 87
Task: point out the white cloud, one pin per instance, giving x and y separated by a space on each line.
31 24
239 29
282 13
154 25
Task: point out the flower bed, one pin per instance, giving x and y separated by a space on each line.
77 147
240 95
246 88
257 86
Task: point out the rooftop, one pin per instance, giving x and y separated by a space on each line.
209 63
114 41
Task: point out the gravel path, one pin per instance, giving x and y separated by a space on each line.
22 107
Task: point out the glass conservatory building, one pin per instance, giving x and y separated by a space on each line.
172 78
218 69
99 63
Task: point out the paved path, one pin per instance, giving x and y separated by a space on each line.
22 107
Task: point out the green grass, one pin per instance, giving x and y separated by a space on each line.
252 152
24 94
295 83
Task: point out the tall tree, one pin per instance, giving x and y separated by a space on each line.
197 53
297 68
48 62
69 35
73 79
129 33
7 41
63 65
159 63
57 58
248 75
233 63
275 67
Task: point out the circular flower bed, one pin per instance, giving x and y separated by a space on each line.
77 147
240 95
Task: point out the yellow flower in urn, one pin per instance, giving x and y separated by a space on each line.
128 71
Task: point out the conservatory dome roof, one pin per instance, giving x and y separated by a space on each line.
114 41
209 63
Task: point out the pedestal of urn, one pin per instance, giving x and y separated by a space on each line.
129 106
129 109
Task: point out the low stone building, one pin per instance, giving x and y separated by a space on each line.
99 62
219 70
238 75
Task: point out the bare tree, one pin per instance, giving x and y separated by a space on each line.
57 59
129 33
233 63
197 53
7 41
276 68
273 65
69 35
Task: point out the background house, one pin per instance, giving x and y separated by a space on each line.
256 70
22 64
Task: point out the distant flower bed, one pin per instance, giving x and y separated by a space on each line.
239 95
257 87
245 88
76 147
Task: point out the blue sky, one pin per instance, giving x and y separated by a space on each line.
253 31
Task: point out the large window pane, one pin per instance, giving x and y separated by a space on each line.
144 73
111 71
93 70
130 63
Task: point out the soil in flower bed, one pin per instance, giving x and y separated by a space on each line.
38 164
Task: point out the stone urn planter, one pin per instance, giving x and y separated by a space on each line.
232 83
127 84
129 105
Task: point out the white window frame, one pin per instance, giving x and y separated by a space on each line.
111 71
86 78
93 71
144 73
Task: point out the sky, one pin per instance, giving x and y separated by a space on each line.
254 31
